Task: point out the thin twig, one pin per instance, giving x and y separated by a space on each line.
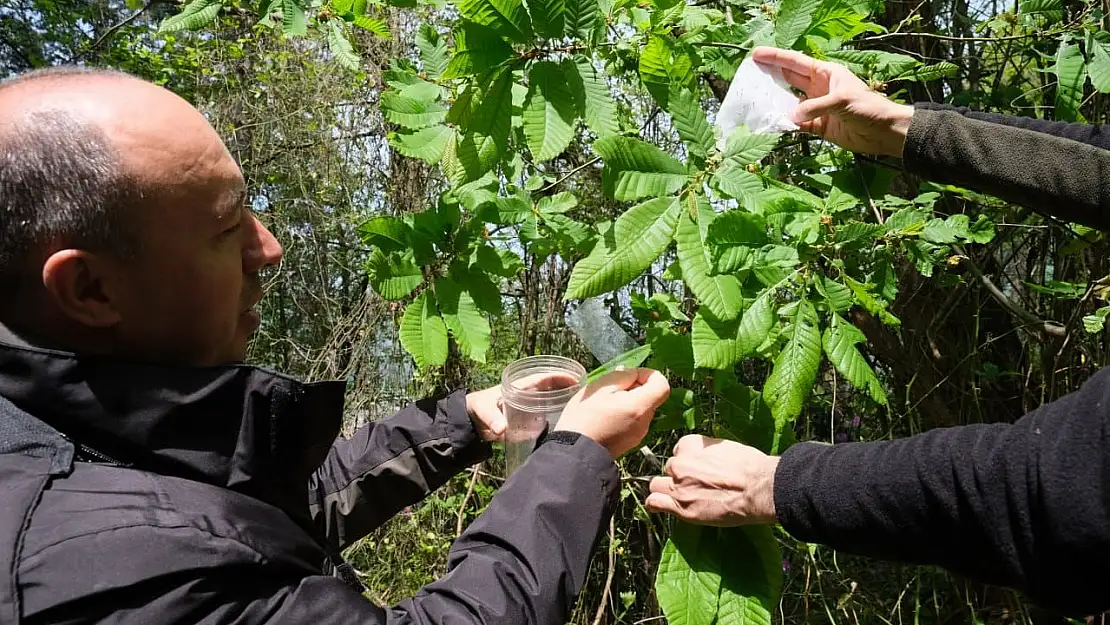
720 44
108 33
600 614
568 175
955 38
1048 328
466 500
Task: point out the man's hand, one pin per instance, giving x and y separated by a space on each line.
485 412
616 409
716 482
840 107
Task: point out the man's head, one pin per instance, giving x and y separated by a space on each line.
124 226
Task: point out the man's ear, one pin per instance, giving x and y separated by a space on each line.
77 282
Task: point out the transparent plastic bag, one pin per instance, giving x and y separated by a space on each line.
758 98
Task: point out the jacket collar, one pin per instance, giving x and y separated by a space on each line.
242 427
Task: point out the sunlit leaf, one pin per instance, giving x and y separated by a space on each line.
423 333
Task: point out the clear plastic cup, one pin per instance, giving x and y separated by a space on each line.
534 391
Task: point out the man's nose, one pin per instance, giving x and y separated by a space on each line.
261 249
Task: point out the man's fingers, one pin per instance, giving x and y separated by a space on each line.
661 484
691 443
817 107
653 387
623 379
658 502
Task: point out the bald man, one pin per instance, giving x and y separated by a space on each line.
148 476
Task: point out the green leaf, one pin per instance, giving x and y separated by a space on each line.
293 21
1070 76
196 15
837 296
858 231
507 17
374 25
599 110
744 147
635 169
907 221
549 111
840 345
1052 10
556 204
423 333
871 303
751 575
487 127
581 18
1096 323
498 262
485 293
721 344
737 227
774 263
1098 67
719 293
479 49
463 319
426 144
792 20
655 61
433 51
506 211
547 17
690 121
735 181
631 359
391 234
982 231
958 224
926 73
688 582
637 238
937 231
393 276
795 368
410 112
875 63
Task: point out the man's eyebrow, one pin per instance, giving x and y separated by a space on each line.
236 203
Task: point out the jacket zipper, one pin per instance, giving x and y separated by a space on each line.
85 450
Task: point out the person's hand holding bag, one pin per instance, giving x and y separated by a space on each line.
839 107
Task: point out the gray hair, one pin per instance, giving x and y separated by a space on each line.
61 182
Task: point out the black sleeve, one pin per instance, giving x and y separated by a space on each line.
1064 178
522 562
392 463
1025 505
1097 135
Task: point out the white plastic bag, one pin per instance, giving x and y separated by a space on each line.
759 98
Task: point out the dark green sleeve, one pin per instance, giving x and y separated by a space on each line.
1066 179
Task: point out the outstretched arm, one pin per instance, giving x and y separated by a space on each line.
397 461
1025 505
1030 167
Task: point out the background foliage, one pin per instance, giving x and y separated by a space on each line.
447 176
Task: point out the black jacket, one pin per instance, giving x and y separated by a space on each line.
1025 505
135 494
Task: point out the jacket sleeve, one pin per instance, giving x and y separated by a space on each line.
1062 177
392 463
1097 135
522 562
1023 505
